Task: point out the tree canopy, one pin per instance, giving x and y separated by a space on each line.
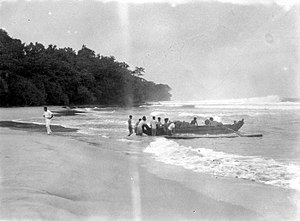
32 75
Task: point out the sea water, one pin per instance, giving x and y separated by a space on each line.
273 159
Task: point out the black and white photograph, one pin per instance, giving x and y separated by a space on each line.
150 110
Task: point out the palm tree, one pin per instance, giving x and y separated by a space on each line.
138 72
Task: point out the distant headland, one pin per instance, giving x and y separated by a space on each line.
33 75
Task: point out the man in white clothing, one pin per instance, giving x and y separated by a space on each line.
171 128
153 126
48 116
140 126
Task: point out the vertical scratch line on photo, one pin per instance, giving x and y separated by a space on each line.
123 12
135 191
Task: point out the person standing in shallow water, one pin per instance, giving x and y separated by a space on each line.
130 125
48 116
136 126
140 126
166 125
153 126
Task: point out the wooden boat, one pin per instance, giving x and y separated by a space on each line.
198 136
204 129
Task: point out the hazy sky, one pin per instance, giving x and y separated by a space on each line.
202 49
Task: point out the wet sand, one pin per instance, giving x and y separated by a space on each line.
59 178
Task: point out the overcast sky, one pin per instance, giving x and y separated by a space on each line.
203 49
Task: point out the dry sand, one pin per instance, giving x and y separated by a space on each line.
59 178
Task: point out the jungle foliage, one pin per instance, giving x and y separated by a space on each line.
32 75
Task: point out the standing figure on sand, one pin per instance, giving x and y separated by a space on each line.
48 116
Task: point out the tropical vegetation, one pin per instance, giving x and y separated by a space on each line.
33 74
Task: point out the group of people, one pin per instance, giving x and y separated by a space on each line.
156 126
208 122
212 122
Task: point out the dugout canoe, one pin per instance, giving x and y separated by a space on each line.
205 129
202 130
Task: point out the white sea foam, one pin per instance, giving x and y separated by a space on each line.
219 115
203 160
187 114
158 113
268 102
129 140
106 112
277 106
253 100
271 99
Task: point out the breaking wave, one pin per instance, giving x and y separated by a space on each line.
268 102
253 168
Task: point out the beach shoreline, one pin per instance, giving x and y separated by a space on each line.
60 178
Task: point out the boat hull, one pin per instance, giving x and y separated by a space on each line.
221 129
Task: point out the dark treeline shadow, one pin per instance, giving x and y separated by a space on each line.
32 75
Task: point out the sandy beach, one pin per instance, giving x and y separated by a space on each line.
65 177
216 81
59 178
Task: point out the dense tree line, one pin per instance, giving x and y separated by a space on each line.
35 75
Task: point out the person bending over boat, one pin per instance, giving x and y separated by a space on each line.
214 123
140 126
194 122
144 128
136 125
171 128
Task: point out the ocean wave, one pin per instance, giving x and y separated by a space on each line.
129 140
158 113
187 114
262 170
216 115
95 109
252 100
271 101
101 111
275 106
